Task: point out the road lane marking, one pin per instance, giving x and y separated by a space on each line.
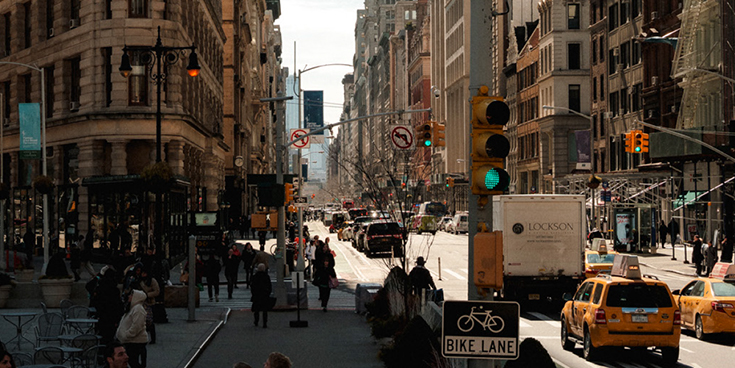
465 270
687 350
458 276
354 269
545 318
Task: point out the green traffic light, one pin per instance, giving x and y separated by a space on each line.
492 179
427 143
638 149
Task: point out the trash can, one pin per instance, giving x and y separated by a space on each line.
365 293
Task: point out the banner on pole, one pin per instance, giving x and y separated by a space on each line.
30 131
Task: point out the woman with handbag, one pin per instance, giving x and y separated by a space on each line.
325 279
261 288
150 286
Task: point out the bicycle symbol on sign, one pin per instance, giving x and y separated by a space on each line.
493 323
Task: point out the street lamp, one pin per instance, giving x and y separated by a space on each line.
44 170
154 56
593 180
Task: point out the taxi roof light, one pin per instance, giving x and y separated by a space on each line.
626 266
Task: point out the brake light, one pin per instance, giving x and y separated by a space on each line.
592 271
397 236
600 317
677 318
720 307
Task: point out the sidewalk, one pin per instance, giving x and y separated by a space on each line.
663 261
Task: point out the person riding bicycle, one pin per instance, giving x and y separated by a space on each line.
421 277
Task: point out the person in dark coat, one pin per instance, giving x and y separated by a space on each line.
697 256
261 238
212 268
248 254
322 276
261 290
673 231
232 262
421 277
104 296
662 231
75 260
727 247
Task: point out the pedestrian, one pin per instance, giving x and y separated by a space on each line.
152 289
115 355
421 277
323 280
85 255
237 254
277 360
261 290
75 259
309 256
291 231
212 268
6 360
248 254
710 257
232 264
132 332
697 255
673 231
261 238
663 230
261 257
727 247
104 296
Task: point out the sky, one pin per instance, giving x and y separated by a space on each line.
324 33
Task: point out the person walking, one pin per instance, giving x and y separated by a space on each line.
421 277
309 257
662 231
104 296
260 289
237 254
697 255
322 280
727 248
261 238
277 360
248 254
132 332
232 262
710 257
85 255
152 289
261 257
75 259
212 268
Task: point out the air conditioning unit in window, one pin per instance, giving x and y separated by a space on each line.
654 15
51 32
73 23
654 80
74 106
608 114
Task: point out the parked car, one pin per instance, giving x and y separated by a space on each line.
459 223
708 304
444 222
622 309
384 236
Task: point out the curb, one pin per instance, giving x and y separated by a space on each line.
669 270
203 342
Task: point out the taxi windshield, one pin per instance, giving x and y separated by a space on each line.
600 258
723 289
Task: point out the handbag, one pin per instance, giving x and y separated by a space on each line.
333 282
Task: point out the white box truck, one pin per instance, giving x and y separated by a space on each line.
543 245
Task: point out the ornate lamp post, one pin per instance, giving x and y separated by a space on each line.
155 56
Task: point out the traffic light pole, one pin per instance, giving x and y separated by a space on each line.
482 45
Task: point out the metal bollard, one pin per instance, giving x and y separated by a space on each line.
439 259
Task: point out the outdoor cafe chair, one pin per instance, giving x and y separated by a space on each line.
77 311
90 357
85 341
48 327
65 304
49 355
22 359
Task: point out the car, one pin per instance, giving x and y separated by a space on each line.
384 236
340 229
622 309
444 222
459 223
598 260
707 304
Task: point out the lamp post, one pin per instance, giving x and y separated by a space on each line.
44 170
154 56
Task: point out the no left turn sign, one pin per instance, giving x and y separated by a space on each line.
298 133
401 136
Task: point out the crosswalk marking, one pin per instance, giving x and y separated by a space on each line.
458 276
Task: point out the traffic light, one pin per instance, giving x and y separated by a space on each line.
488 259
629 142
643 140
450 182
489 144
438 133
423 135
289 192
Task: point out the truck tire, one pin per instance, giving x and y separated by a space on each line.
566 343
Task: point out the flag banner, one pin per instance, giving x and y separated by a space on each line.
30 131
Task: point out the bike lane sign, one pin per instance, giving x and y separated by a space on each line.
480 329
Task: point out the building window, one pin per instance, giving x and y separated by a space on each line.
594 126
635 53
625 54
636 97
602 88
602 48
594 89
574 97
573 16
138 8
624 101
27 88
574 55
614 104
593 13
74 10
138 80
6 47
49 18
108 9
75 75
107 55
49 70
6 100
602 126
594 52
612 17
636 6
624 12
27 25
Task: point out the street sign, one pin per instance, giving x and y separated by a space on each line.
298 133
302 202
401 136
480 329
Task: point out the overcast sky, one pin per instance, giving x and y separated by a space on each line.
323 31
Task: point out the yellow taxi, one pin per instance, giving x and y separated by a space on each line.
622 309
598 259
707 304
